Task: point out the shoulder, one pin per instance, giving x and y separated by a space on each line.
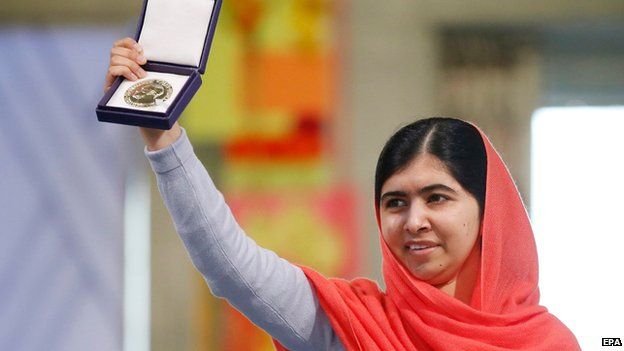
332 286
365 285
364 288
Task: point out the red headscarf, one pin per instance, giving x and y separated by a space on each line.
412 315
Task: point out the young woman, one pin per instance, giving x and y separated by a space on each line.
459 257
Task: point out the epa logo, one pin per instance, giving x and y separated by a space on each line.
611 342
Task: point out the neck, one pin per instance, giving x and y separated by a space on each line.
462 285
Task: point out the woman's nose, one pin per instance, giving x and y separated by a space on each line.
417 220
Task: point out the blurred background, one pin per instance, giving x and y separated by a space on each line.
297 100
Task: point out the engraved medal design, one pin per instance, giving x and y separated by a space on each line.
148 93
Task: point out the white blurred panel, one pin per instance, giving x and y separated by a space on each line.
577 193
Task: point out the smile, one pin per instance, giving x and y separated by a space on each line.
420 249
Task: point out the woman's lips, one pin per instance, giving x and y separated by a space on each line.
422 251
421 248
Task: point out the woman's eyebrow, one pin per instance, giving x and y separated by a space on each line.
393 193
433 187
427 189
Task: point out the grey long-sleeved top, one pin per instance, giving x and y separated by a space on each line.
270 291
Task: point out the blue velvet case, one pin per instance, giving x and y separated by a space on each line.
155 119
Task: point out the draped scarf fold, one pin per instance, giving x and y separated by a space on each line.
504 312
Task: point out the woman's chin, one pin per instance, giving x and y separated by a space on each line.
431 273
426 274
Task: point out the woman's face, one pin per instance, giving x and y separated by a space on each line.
428 220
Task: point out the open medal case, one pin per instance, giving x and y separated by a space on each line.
176 38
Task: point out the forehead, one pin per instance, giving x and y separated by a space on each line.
421 171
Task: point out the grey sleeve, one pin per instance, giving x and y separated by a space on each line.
273 293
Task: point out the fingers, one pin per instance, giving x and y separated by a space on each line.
130 64
108 81
126 56
124 71
115 71
128 43
133 55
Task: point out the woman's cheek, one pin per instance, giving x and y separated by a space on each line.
390 226
393 224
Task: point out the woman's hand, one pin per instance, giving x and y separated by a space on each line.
126 58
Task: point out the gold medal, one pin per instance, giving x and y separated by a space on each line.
148 93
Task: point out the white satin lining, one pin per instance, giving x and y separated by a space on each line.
175 31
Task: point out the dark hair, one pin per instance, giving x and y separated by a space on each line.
456 143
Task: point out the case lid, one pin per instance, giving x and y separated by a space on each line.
178 32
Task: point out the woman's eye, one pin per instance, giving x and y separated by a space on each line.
437 198
395 203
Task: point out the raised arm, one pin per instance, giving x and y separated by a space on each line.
270 291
